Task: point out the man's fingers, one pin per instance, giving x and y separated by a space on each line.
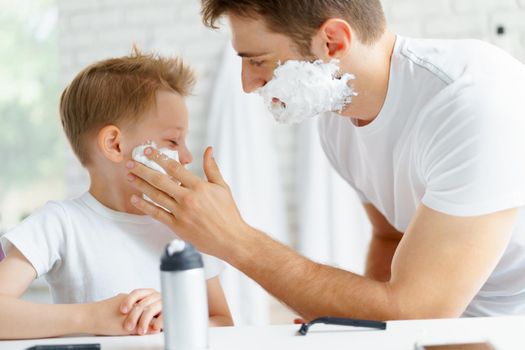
134 297
154 211
211 169
173 168
155 179
167 201
299 321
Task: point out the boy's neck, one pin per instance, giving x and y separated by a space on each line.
112 192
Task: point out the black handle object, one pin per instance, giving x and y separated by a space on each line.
342 322
66 347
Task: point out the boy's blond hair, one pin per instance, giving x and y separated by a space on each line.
118 91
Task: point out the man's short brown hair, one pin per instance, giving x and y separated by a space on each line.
118 91
300 19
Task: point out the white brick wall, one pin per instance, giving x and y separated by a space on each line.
461 19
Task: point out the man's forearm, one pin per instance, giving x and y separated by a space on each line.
313 290
20 319
379 259
220 321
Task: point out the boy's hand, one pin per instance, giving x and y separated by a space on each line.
105 317
142 308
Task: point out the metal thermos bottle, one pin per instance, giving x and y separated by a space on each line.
184 298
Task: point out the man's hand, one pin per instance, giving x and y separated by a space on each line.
143 309
201 212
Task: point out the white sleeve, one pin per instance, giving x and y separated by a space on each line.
212 266
473 157
39 237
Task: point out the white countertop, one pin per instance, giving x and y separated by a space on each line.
504 333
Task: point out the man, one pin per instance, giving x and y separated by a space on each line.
433 144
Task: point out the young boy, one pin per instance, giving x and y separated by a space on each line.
94 248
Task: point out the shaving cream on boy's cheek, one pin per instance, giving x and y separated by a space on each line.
139 156
301 90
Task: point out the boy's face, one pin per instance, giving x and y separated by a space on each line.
166 124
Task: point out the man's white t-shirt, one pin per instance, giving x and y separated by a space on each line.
450 136
88 252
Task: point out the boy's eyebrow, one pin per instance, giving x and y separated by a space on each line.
178 128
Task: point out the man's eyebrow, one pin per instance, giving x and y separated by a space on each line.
250 54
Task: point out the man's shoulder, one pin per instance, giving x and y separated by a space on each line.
449 59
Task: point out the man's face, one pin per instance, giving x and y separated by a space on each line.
166 124
260 49
295 88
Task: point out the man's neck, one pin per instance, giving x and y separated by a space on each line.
112 192
372 71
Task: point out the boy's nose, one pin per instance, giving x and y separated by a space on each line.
185 157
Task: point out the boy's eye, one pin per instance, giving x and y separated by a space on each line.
174 143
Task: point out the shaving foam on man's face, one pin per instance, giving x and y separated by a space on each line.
301 90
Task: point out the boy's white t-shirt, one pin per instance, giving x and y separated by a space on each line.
451 136
88 252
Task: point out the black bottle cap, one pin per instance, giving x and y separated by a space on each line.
186 259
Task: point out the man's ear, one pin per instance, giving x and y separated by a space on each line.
109 143
333 39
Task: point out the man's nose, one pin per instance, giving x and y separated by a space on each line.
251 81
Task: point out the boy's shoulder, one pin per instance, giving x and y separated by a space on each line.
53 215
40 236
59 209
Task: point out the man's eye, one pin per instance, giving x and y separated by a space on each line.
256 63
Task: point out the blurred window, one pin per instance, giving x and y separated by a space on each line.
31 141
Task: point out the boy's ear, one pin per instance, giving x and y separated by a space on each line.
333 39
109 143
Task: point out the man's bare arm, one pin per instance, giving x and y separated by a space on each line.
220 315
440 264
439 267
383 245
